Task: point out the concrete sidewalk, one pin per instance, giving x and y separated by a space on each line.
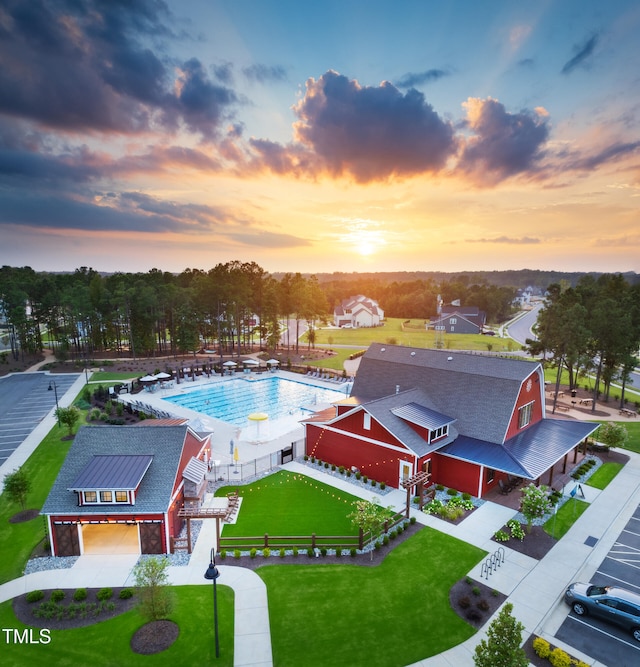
534 587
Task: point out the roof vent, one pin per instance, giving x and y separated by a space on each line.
449 358
397 389
413 354
382 349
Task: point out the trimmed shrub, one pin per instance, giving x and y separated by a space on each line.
80 594
483 605
326 465
236 553
294 552
223 554
266 552
333 467
338 552
306 457
464 602
559 658
439 487
473 615
358 475
353 552
341 470
34 596
385 540
466 496
412 520
57 596
253 553
365 479
452 492
282 552
373 482
383 486
542 647
348 472
126 593
310 552
475 590
104 594
323 551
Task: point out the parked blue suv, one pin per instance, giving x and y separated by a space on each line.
610 603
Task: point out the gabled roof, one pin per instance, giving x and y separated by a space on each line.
479 391
530 453
112 471
165 444
195 470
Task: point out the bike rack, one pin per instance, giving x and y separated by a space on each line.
492 563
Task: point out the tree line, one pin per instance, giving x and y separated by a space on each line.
592 328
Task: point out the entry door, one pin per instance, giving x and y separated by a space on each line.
151 538
406 470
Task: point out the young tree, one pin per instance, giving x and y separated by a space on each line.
369 516
17 486
612 434
502 647
152 581
535 503
68 416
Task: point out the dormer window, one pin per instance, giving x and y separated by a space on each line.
111 479
439 433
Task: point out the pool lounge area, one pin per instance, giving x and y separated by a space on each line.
222 405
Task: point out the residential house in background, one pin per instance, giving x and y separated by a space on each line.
358 311
459 319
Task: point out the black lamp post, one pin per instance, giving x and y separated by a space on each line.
55 390
213 573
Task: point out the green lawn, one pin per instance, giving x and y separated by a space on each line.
290 504
393 614
633 443
566 516
604 474
108 378
17 540
107 643
414 336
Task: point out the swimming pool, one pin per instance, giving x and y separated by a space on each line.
233 400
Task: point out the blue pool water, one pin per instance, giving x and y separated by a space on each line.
233 400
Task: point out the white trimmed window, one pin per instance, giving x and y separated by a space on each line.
524 415
366 421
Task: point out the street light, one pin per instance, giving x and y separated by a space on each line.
55 391
213 573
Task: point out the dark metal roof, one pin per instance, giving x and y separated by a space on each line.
422 416
530 453
113 471
164 443
478 390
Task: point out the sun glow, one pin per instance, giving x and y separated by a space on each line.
364 236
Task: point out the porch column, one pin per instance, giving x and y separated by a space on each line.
550 476
564 463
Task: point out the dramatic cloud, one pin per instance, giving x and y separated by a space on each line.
263 73
583 52
90 66
502 144
371 133
418 78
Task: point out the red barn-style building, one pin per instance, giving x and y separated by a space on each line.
120 488
470 420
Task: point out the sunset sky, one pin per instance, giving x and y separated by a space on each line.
340 135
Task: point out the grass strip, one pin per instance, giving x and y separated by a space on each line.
604 474
559 524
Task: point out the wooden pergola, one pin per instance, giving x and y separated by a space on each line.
188 513
420 479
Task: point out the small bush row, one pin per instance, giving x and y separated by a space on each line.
556 656
79 595
345 471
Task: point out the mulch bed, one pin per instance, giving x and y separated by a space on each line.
474 601
536 544
154 637
24 610
25 515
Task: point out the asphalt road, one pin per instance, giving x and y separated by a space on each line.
25 400
605 642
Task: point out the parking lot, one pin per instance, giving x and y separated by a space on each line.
25 399
605 642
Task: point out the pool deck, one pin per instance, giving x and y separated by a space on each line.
251 444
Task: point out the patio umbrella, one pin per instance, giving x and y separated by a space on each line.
162 376
250 362
148 378
229 364
273 361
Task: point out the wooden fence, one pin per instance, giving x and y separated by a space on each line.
312 541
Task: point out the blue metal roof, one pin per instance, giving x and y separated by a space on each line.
422 416
530 453
115 471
